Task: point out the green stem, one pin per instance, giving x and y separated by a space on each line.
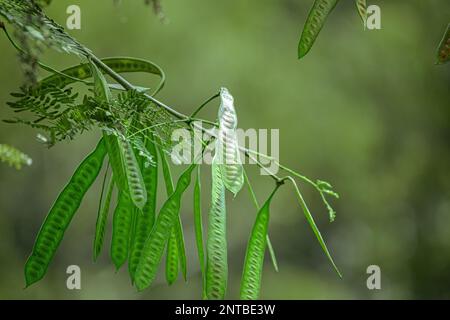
204 104
127 85
40 64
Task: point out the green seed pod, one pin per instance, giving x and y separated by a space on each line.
176 255
254 257
61 214
216 246
154 246
121 229
144 222
198 225
102 217
135 181
172 259
119 65
314 23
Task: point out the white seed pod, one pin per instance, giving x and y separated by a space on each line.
227 148
136 184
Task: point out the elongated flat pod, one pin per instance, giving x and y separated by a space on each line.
254 257
198 226
154 246
443 54
136 186
145 221
115 160
216 245
361 6
118 64
227 148
167 173
269 242
314 23
102 218
103 93
122 222
181 250
172 259
61 214
101 89
175 254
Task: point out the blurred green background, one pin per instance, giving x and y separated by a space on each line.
366 110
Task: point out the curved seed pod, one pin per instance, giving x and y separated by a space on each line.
443 54
118 64
272 254
199 229
115 160
361 6
254 257
102 92
154 246
216 245
101 88
314 23
179 236
60 215
101 220
135 181
172 249
227 148
121 229
145 221
167 174
135 212
173 258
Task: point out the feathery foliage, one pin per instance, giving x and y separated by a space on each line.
13 157
134 126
